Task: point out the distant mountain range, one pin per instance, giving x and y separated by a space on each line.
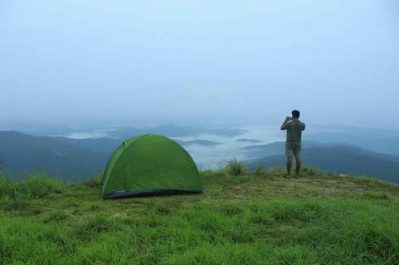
121 132
330 157
21 154
246 140
198 142
377 140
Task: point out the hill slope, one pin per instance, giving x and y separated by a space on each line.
71 159
333 158
237 220
376 140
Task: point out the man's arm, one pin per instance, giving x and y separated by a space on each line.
284 125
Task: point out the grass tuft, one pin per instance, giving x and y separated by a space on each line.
235 167
56 216
260 170
8 187
277 172
312 172
93 182
41 186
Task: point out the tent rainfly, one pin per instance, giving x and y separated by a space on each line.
150 164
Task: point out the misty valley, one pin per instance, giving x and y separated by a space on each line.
74 155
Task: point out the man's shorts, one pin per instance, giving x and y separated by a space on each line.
293 150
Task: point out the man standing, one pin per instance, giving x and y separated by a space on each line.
294 129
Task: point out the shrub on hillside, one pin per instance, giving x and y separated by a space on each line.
235 167
40 186
8 188
37 186
13 195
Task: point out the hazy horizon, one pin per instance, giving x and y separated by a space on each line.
67 128
199 62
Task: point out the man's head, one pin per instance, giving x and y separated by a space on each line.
296 114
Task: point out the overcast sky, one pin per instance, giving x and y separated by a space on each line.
204 61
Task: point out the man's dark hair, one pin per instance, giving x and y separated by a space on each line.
296 113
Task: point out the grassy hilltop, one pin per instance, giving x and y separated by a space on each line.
257 218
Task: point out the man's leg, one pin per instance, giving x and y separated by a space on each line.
289 153
298 162
298 165
289 165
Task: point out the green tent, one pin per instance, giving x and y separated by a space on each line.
150 164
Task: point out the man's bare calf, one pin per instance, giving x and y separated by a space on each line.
297 166
289 166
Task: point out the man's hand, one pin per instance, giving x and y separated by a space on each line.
287 119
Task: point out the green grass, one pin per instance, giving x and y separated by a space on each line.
251 219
